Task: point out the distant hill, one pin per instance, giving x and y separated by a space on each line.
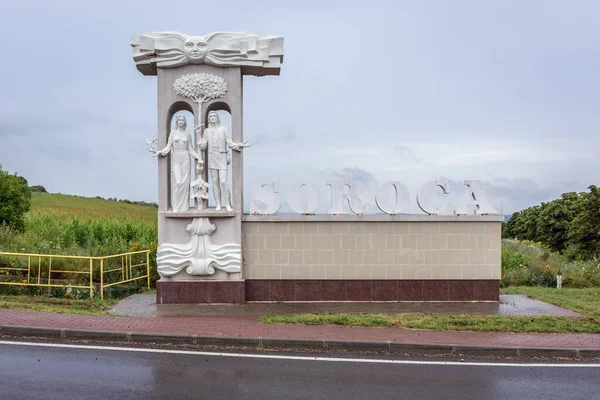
69 207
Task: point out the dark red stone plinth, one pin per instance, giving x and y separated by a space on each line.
373 290
197 292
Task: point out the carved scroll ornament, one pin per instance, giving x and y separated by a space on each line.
199 256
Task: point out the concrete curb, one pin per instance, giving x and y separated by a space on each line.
297 344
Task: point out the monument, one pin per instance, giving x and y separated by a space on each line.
219 255
199 256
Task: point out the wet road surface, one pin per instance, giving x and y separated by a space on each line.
46 372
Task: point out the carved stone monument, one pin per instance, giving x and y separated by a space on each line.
200 249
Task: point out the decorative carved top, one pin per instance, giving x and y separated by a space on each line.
257 54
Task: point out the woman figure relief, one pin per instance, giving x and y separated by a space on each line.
181 147
216 141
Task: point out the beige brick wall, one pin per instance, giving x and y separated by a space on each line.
371 250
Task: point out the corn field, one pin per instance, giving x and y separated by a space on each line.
71 225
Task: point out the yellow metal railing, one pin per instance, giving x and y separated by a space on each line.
124 263
129 270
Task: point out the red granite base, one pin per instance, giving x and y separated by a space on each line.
373 290
196 292
168 292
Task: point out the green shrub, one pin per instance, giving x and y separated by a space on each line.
15 200
531 264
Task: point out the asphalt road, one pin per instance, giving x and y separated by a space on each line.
45 372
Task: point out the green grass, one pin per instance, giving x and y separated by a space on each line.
57 305
442 322
584 301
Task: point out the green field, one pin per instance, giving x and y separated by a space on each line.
73 225
60 205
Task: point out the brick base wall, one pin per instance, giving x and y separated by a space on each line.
190 292
372 290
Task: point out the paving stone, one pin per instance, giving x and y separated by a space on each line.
144 305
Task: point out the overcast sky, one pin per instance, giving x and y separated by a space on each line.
506 92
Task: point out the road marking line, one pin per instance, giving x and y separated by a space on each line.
299 358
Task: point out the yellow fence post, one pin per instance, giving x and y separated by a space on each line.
148 267
49 271
91 277
102 279
28 268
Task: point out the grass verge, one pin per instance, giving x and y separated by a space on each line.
57 305
584 301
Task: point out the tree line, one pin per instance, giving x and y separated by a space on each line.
569 225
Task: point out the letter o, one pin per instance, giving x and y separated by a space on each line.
313 194
402 197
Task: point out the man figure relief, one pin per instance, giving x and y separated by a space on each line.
216 140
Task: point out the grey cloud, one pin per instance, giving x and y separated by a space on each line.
406 153
355 173
519 193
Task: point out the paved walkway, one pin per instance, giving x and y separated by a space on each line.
248 326
144 305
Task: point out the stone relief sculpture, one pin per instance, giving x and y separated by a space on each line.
201 88
181 147
199 187
199 256
216 140
225 49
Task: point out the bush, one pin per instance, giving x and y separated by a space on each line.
15 200
513 260
531 264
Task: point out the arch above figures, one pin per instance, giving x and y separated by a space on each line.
218 105
180 105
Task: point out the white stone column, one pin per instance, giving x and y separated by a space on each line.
172 226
